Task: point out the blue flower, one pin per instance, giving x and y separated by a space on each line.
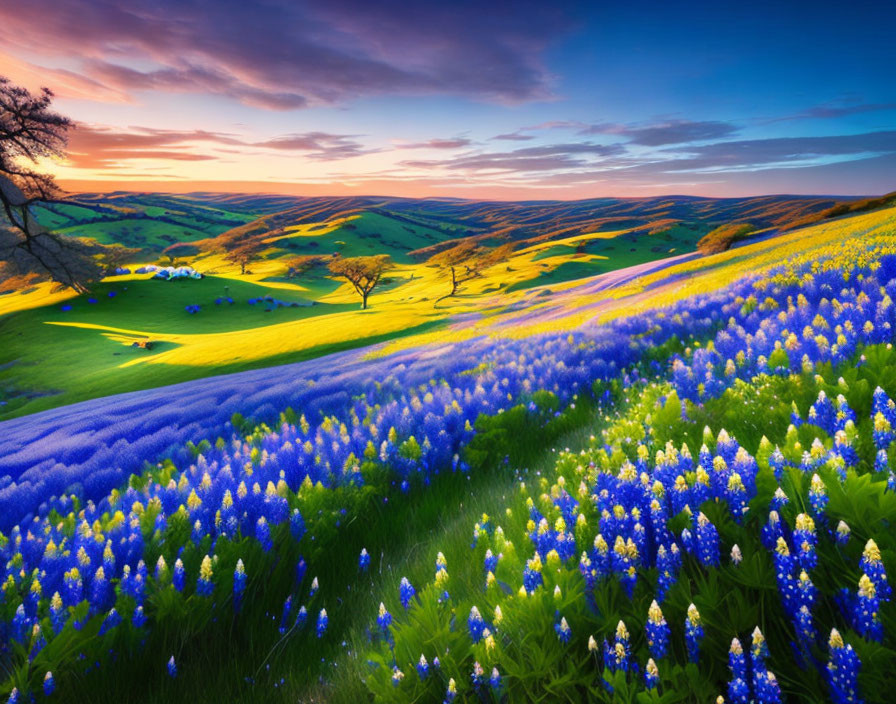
564 632
872 565
178 575
657 631
422 668
384 619
364 560
651 674
693 633
866 610
406 592
842 671
239 584
172 668
475 624
322 621
49 684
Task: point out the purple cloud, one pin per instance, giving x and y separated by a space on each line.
321 146
669 132
284 54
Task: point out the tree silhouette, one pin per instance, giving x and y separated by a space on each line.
31 131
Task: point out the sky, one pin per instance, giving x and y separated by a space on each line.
522 100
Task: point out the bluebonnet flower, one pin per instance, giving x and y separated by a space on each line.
495 681
668 563
776 461
477 676
322 621
315 585
178 576
49 684
364 560
883 431
138 619
818 497
384 619
239 584
491 561
872 565
111 620
532 577
13 696
738 686
172 667
707 538
842 534
657 631
616 656
301 618
779 500
475 624
651 674
58 614
205 586
406 592
842 671
450 692
564 632
866 610
263 534
422 668
693 633
286 614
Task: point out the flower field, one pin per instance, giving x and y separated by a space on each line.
724 535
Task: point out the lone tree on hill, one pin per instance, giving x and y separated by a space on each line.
467 261
243 252
30 131
364 273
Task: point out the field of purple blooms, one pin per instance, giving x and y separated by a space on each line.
131 522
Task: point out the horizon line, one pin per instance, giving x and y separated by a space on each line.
74 187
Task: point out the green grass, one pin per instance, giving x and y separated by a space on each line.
370 233
625 250
43 366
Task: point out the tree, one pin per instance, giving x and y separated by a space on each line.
31 131
243 251
466 261
364 273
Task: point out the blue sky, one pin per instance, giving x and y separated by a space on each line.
522 100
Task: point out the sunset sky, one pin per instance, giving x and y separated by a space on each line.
467 99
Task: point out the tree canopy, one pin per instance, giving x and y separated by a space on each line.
364 273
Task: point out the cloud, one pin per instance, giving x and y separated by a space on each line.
780 151
833 111
452 143
283 54
551 157
321 146
91 147
668 132
514 136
